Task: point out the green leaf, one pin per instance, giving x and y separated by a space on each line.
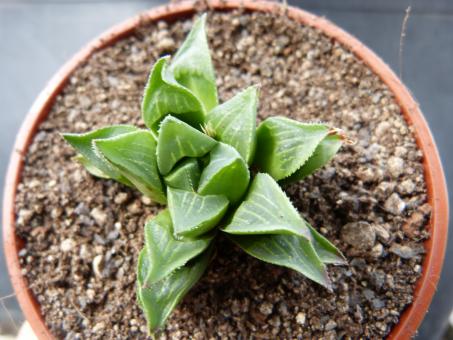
134 155
193 214
267 210
163 95
324 152
83 144
284 145
226 174
90 167
165 253
192 65
234 122
158 299
288 251
326 251
178 140
185 176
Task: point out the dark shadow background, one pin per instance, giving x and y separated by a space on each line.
38 36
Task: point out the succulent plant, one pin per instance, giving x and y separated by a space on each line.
216 172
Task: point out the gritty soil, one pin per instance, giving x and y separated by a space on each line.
82 234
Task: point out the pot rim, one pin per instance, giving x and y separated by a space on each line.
434 177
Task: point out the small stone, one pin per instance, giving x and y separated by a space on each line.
67 245
367 175
113 235
377 278
99 216
413 224
146 200
330 325
97 328
377 303
395 166
382 233
121 198
376 97
373 151
91 294
382 128
81 209
97 265
24 216
394 204
134 208
266 308
400 151
403 251
368 294
385 188
360 235
377 250
84 253
407 187
301 318
283 309
166 44
358 314
85 101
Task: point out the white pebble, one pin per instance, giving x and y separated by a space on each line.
67 245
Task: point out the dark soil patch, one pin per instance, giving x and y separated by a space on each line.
83 234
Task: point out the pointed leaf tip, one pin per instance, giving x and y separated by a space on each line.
267 210
164 95
323 153
234 122
159 299
192 65
284 145
326 251
96 165
289 251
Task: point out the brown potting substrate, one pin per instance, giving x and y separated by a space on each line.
82 234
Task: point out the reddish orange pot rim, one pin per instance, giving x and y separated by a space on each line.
434 176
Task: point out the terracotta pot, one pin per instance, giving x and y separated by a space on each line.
435 181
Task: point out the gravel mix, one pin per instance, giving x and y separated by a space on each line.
82 234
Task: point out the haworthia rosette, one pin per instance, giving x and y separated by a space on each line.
206 176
